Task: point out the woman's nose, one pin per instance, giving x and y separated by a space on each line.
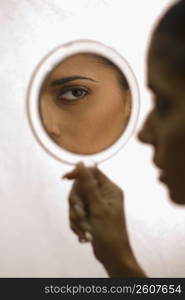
50 125
146 134
54 130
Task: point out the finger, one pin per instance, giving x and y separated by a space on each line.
78 220
101 178
78 217
84 226
73 195
88 190
87 238
79 226
71 175
76 204
82 230
85 181
74 173
79 210
108 188
77 214
74 198
75 228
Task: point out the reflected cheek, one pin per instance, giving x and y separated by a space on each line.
86 127
107 121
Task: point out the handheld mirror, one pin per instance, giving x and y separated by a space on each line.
83 102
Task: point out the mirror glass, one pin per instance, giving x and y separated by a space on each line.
85 103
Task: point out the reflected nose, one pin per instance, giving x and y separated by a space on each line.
53 131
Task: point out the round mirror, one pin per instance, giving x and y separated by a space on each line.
83 102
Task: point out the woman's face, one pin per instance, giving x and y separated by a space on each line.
165 125
83 106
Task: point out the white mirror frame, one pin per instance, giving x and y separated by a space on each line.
33 95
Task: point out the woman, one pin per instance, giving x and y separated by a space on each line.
85 103
95 202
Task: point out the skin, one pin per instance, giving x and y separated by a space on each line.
84 115
101 201
96 206
165 125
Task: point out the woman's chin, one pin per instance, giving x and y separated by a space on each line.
176 197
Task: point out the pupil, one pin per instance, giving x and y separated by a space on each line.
77 92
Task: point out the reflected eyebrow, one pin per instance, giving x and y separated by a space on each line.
70 78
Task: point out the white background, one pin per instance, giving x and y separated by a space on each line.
35 238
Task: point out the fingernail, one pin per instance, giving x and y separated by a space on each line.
82 240
78 208
67 176
88 236
85 226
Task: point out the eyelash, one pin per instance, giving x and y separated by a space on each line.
59 95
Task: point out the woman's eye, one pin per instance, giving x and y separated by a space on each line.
72 94
162 106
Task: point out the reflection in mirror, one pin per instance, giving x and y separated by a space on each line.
85 103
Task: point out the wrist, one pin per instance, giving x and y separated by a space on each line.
124 265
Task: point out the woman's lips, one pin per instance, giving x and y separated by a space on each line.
162 177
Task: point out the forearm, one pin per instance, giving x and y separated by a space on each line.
124 266
120 270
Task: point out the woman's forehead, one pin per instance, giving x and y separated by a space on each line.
169 49
166 58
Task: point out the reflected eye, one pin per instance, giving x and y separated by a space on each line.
72 94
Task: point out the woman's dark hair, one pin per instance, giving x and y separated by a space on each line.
170 36
107 62
173 21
